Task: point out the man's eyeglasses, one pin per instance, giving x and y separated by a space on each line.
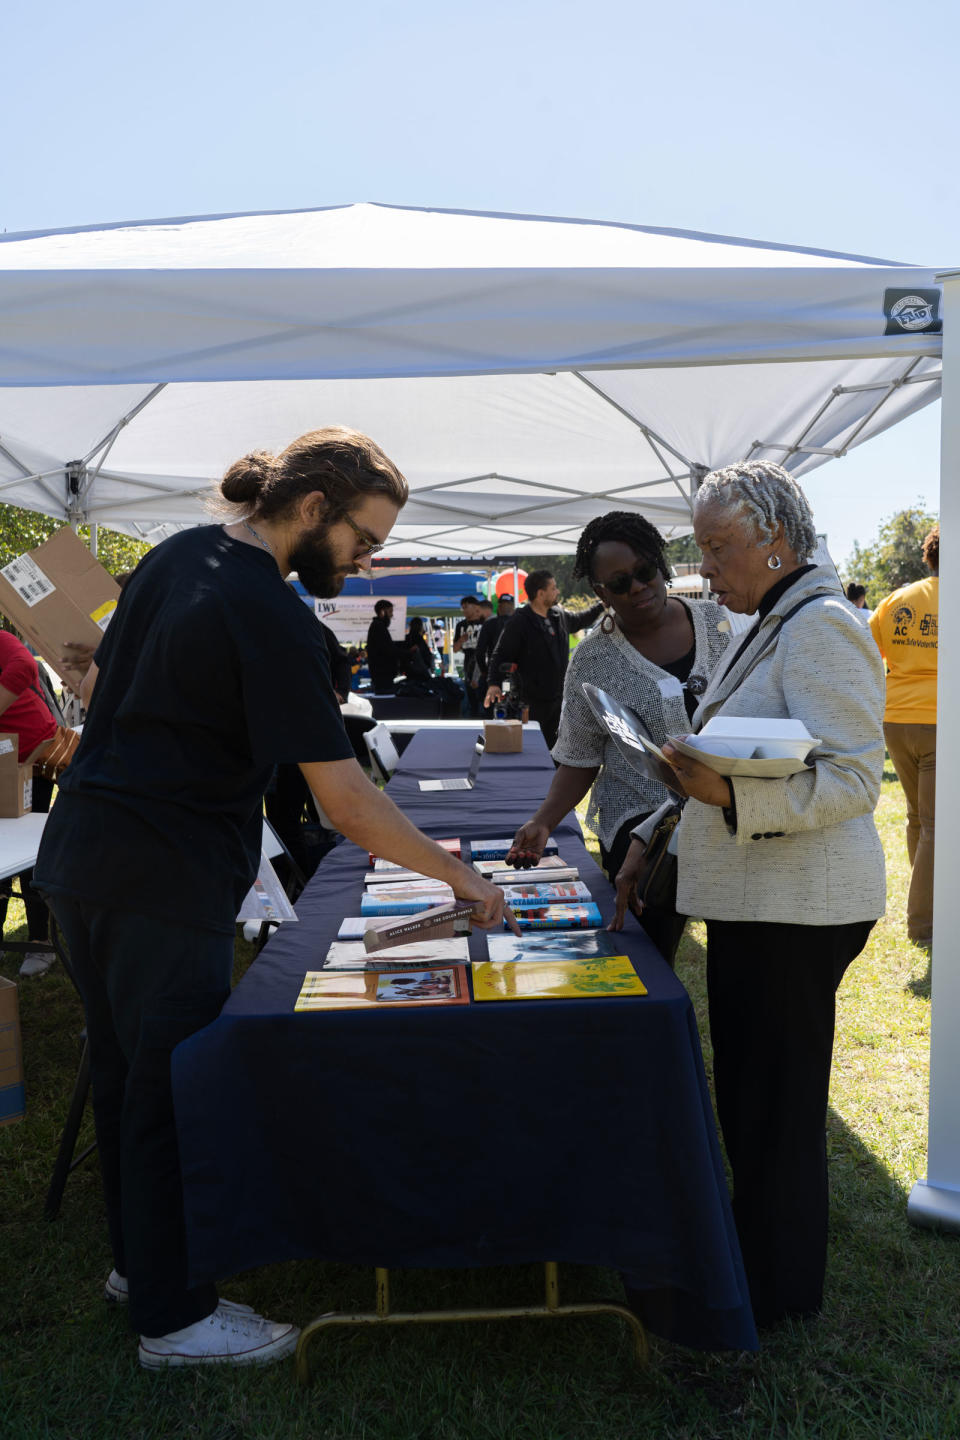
370 545
620 584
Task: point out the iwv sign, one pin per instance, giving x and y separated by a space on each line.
349 616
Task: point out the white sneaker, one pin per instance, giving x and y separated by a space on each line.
37 962
117 1291
227 1337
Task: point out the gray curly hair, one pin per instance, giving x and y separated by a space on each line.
765 495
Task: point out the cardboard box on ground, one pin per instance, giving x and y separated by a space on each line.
12 1103
58 592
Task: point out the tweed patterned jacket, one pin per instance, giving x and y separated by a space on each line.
806 849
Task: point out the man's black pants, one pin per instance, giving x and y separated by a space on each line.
146 985
771 991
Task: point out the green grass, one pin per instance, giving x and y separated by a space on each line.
884 1361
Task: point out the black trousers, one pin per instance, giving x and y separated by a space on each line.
146 985
547 715
771 991
664 927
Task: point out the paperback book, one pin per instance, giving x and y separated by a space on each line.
442 922
396 876
497 849
550 945
353 954
559 917
526 897
385 900
378 862
551 868
378 990
603 977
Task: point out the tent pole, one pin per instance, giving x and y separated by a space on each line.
94 538
936 1200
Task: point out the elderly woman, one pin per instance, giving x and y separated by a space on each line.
788 874
653 652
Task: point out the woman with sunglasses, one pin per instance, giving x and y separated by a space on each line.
651 651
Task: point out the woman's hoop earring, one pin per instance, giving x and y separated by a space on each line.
774 562
608 615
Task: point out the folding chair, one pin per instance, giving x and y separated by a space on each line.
383 753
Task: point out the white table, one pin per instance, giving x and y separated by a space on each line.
19 843
412 727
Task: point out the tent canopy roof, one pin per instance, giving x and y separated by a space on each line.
525 373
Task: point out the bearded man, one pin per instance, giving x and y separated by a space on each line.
212 672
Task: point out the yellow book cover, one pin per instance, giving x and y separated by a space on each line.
556 979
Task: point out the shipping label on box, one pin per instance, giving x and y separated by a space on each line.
12 1100
56 593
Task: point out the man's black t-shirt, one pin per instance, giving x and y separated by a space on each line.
212 671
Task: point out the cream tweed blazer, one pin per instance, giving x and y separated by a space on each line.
806 849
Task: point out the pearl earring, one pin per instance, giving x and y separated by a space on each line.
774 562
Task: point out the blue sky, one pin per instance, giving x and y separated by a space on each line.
831 125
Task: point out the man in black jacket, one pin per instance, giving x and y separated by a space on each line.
537 641
490 632
381 651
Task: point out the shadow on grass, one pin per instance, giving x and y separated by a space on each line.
920 984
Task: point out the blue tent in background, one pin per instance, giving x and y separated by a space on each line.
429 592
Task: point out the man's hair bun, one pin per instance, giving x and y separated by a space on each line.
247 479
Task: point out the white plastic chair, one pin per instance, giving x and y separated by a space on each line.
383 753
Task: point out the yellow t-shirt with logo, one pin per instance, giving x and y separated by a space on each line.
904 626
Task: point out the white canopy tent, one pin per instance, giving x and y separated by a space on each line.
526 374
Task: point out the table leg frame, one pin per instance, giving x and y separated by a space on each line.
383 1315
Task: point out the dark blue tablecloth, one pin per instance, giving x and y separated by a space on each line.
472 1135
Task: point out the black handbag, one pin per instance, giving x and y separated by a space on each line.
657 881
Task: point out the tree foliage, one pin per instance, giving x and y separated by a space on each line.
894 558
22 530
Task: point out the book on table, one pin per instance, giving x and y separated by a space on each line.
549 869
498 849
378 862
551 945
383 989
601 977
526 897
396 876
421 954
559 917
442 922
385 900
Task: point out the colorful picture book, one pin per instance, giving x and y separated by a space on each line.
559 917
422 954
379 990
497 849
385 900
603 977
525 897
551 945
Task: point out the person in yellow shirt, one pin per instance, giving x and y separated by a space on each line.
904 626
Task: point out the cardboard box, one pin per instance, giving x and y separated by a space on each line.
502 737
56 593
16 780
12 1102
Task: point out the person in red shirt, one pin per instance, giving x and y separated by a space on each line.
25 713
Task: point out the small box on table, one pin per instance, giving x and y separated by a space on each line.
16 780
502 737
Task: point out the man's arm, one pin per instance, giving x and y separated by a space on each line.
580 619
370 819
507 651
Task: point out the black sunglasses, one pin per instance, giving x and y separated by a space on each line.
620 584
